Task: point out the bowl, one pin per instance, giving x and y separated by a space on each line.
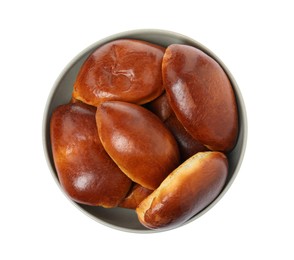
120 218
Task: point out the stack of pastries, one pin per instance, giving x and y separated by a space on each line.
148 128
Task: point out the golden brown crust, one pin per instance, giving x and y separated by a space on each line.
201 96
85 171
137 141
185 192
135 196
160 107
188 145
125 70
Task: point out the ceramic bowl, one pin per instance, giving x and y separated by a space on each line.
119 218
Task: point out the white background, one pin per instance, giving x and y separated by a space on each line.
254 220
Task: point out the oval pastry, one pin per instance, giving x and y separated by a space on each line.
124 70
185 192
85 171
137 141
201 96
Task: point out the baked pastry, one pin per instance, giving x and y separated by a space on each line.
138 128
85 171
188 145
160 107
124 70
137 141
185 192
135 196
201 96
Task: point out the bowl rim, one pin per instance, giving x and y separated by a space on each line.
131 34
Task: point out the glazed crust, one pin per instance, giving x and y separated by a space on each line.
185 192
201 96
188 145
137 141
124 70
135 197
85 171
160 107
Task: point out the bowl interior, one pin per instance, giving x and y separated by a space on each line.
120 218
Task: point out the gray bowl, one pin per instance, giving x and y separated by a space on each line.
119 218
